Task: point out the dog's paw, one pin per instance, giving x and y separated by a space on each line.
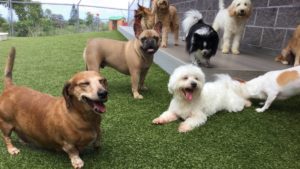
235 52
259 110
183 128
159 121
77 163
144 88
176 44
225 51
248 103
13 151
137 96
163 45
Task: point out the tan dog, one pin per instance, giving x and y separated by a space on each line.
145 17
292 51
132 58
167 14
66 123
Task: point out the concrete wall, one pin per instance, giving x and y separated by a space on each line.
270 26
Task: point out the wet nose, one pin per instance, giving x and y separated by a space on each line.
102 94
242 11
194 84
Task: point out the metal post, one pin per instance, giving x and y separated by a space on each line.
78 23
12 18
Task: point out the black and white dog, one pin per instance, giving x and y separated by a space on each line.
201 39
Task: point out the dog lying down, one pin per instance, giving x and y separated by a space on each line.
279 84
66 123
194 100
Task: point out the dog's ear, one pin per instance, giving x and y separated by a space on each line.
67 95
231 10
104 83
137 28
158 27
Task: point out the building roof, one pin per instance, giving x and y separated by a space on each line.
116 17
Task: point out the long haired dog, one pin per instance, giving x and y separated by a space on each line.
232 21
194 100
167 14
291 53
273 85
67 123
145 17
201 39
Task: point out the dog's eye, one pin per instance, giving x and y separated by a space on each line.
143 39
156 38
84 84
185 78
196 78
238 4
246 4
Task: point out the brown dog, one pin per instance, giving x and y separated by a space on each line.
145 17
66 123
132 58
292 51
167 14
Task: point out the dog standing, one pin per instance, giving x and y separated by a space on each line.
232 21
201 39
132 58
167 14
279 84
194 100
292 51
66 123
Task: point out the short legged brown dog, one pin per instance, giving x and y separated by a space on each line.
132 58
66 123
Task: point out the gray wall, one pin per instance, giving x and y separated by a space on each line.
269 27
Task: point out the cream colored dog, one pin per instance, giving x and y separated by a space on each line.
167 14
279 84
232 21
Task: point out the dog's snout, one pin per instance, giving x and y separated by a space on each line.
194 84
242 11
102 94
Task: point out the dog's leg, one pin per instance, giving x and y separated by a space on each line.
226 41
297 59
193 121
164 40
236 43
165 117
73 153
7 130
96 144
142 79
271 97
135 78
176 34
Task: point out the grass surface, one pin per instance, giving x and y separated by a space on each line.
228 140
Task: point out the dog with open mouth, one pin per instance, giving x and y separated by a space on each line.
133 57
67 123
194 100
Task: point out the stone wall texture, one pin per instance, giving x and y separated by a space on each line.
270 26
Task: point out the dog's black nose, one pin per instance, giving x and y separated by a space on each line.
242 11
194 84
102 94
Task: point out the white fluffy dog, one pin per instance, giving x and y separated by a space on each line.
194 100
232 21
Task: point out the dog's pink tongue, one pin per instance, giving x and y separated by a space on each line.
189 96
100 107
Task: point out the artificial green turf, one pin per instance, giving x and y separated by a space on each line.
228 140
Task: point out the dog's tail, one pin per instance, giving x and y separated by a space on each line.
191 18
9 67
221 4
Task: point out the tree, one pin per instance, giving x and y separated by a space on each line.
73 15
89 19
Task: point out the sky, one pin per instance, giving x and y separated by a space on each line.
65 10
